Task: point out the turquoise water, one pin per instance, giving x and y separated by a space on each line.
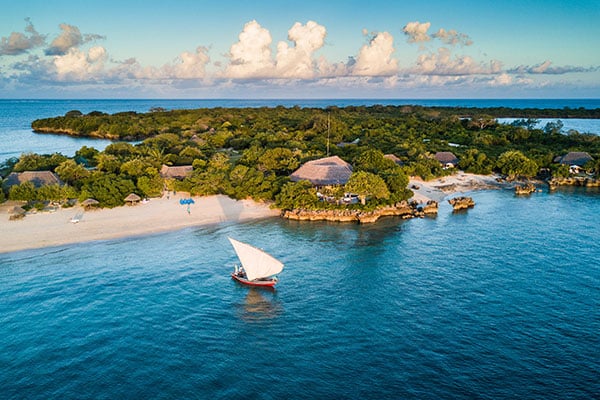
502 301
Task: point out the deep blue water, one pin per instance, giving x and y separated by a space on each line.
500 302
16 136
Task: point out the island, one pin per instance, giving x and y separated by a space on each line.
354 163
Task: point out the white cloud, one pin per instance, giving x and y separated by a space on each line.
453 37
250 57
502 80
442 63
297 61
18 43
189 65
375 58
69 38
417 32
78 65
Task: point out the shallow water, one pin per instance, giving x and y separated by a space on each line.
502 301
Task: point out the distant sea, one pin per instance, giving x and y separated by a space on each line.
16 136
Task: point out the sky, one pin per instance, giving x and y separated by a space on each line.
300 49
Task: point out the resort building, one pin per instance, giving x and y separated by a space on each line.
327 171
179 172
38 178
575 160
447 159
393 158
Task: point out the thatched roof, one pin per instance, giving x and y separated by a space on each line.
17 210
38 178
324 171
575 158
393 158
446 157
132 198
87 203
179 172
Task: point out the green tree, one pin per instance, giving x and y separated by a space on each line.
475 162
295 195
25 191
70 172
366 184
513 163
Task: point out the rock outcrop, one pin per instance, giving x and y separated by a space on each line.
573 181
403 209
461 203
525 189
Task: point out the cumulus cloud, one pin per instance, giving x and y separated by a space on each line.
442 63
375 58
78 65
189 65
417 32
297 61
547 68
18 42
502 80
453 37
250 57
69 38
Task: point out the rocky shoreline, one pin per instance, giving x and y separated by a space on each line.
581 181
404 209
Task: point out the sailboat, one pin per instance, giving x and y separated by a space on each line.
258 267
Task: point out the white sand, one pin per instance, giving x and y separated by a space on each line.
439 189
45 229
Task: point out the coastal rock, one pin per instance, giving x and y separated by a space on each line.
461 203
402 209
525 189
573 181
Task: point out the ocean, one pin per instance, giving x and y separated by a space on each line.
499 302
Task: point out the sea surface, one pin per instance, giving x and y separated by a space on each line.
16 136
499 302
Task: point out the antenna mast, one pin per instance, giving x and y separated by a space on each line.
328 125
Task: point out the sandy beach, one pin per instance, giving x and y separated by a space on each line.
442 188
45 229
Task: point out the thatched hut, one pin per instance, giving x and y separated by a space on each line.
89 203
447 159
16 212
132 199
38 178
179 172
324 172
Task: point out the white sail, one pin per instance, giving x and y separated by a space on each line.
256 262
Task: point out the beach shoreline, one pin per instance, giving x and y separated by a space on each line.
49 229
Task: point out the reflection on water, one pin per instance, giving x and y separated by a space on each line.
260 304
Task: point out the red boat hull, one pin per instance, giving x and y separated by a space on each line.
265 283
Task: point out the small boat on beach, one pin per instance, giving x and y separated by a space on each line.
257 268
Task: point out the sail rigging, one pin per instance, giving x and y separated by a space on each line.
257 263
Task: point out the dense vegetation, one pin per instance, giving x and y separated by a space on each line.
251 152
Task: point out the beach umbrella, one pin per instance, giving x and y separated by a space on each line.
16 210
16 213
88 203
132 198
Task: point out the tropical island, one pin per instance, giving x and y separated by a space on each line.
346 161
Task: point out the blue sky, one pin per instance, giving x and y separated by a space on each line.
293 49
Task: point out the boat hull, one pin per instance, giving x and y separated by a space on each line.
260 283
